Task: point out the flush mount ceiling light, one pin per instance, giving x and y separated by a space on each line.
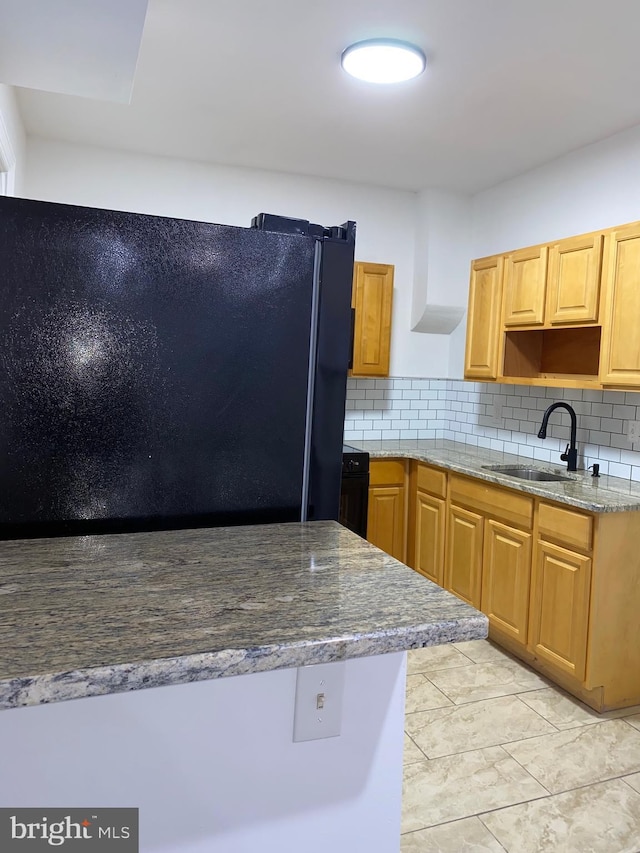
383 61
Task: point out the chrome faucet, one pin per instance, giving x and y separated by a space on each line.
570 455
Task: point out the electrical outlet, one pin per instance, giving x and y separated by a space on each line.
318 708
633 431
494 412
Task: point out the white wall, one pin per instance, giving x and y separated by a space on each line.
140 183
594 187
12 136
212 765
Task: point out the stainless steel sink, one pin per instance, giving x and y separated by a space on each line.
523 473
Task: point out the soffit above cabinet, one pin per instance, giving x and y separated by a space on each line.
72 47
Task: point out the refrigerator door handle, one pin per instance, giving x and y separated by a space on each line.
313 355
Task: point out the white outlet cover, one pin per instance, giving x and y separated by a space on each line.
633 431
494 411
311 722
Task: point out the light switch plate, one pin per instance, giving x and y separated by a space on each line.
318 706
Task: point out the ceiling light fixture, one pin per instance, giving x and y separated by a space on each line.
383 61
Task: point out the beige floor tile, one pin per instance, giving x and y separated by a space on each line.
422 695
603 818
580 756
634 720
411 752
463 785
482 651
468 835
634 781
446 731
486 681
563 711
435 658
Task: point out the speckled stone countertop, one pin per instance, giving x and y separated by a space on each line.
84 616
601 494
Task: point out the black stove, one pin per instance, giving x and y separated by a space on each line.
354 491
354 461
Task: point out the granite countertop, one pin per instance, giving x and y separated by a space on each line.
84 616
601 494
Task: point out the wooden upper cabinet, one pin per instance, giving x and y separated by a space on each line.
525 279
573 280
483 319
372 298
569 315
620 352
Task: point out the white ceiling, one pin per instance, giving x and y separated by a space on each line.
79 47
510 84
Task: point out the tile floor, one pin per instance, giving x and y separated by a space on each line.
498 759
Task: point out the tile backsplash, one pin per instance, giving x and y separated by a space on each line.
466 412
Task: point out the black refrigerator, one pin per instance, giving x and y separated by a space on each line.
160 373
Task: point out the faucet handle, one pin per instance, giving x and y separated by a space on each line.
565 456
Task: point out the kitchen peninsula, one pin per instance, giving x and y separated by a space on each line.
145 633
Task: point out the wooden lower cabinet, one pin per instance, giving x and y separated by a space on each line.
560 608
559 585
463 562
428 553
386 523
506 579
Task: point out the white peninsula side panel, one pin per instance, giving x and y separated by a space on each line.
213 767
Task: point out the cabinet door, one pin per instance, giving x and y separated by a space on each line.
573 280
525 279
428 558
385 521
372 297
620 355
483 319
560 608
506 579
463 566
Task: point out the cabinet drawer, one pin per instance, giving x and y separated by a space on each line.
565 525
431 480
492 501
384 472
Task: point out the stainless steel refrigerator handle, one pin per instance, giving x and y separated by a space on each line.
311 378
